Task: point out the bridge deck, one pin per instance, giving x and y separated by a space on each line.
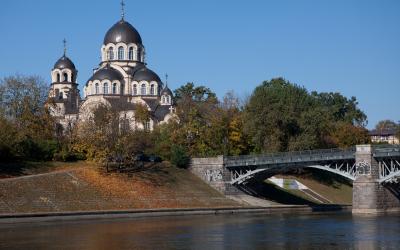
291 157
381 151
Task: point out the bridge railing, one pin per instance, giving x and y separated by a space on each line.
386 150
296 155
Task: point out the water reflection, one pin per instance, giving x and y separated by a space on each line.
315 231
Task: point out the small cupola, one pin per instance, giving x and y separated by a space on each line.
166 96
64 70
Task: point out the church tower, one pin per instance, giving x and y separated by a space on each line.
64 92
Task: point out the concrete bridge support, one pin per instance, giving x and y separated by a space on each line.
370 196
213 172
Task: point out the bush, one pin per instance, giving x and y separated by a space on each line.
179 156
6 153
65 155
47 149
31 149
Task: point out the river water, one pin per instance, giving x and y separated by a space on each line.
244 231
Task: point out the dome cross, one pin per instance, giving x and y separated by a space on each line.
65 46
122 9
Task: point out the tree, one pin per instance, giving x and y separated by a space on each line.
142 114
273 115
340 108
345 135
386 125
281 116
22 100
22 94
97 137
195 105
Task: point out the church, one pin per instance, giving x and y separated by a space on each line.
122 81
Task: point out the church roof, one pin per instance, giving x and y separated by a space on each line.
64 63
145 74
122 32
166 91
161 111
107 73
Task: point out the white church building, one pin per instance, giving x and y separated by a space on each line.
122 81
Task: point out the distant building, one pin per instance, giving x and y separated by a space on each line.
122 80
384 136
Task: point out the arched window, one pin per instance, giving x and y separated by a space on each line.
169 99
134 91
111 54
143 89
96 88
60 95
58 77
65 77
105 88
121 53
130 53
152 89
114 90
147 125
162 99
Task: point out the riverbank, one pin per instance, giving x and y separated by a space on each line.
90 188
85 191
140 213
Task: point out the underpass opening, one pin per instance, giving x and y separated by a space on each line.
322 187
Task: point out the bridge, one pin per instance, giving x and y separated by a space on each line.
373 169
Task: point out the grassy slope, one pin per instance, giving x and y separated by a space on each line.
328 185
85 187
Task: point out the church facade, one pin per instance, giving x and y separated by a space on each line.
122 82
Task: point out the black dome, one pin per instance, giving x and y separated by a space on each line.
122 32
64 63
166 91
145 74
107 73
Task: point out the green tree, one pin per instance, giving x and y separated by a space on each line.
281 116
340 108
272 115
194 108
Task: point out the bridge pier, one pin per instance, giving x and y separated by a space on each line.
370 196
214 173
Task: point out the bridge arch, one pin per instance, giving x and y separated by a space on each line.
346 170
389 177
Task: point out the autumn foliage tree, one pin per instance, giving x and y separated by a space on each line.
27 128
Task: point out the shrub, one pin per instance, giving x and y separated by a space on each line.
42 150
6 153
179 156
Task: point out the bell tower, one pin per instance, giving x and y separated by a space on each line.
64 92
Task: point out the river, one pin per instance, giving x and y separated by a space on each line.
244 231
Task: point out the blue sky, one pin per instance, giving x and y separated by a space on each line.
351 47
